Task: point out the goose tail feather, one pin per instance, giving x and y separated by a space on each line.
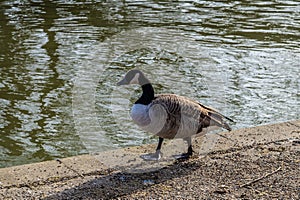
217 117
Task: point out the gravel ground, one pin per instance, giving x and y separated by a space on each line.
268 168
258 172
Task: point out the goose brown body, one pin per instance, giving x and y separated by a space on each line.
184 117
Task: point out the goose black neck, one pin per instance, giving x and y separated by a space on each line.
147 96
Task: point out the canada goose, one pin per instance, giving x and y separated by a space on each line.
170 116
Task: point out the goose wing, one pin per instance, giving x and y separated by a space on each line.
185 117
216 117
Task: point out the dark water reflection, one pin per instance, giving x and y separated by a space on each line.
251 47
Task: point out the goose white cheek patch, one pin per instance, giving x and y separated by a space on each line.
135 79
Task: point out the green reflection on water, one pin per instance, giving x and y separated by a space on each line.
44 42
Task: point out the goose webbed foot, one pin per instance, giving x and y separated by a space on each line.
185 156
152 156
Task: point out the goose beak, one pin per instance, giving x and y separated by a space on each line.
122 82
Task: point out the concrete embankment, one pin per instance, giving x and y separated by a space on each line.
259 162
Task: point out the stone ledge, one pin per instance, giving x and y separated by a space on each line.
59 173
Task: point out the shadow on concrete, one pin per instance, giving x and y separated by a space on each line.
119 184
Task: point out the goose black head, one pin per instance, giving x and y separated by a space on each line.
134 76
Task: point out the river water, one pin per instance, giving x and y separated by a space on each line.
60 61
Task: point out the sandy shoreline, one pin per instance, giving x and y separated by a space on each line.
259 162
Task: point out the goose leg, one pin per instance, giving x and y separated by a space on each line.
154 156
189 152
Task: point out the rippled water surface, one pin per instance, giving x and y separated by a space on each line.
60 61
